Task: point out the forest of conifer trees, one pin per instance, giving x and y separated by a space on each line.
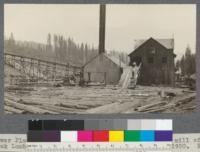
57 49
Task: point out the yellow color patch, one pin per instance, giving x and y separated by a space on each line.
116 136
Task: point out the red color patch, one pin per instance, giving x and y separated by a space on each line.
101 136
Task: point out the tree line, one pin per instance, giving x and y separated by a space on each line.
187 63
58 49
66 50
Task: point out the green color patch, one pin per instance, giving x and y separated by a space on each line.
130 135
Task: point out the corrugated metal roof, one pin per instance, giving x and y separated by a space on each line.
168 43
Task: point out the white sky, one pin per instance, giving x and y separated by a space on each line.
124 23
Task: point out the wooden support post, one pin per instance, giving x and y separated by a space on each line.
47 71
13 61
33 69
30 68
54 72
105 78
66 70
5 59
38 71
20 68
89 77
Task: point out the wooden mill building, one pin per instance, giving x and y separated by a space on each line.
104 69
157 61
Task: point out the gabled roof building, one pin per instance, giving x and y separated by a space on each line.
156 57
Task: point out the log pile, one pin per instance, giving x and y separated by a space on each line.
102 100
172 104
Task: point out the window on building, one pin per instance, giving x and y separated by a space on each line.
152 50
164 59
138 60
150 60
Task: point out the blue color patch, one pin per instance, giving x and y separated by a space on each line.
147 135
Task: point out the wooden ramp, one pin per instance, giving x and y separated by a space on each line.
125 77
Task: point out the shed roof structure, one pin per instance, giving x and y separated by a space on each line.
115 60
167 43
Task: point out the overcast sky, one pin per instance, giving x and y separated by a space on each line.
124 23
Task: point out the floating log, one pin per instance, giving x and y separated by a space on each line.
189 108
58 109
28 108
30 102
13 110
8 112
68 105
184 99
189 91
145 107
17 88
24 101
174 103
158 109
116 107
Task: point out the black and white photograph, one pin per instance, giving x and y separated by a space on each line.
99 58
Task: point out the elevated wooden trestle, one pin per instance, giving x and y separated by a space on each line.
37 69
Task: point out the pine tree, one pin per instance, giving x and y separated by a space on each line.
49 45
11 42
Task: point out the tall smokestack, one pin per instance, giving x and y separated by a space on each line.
102 22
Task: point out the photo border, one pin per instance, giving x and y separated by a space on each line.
17 123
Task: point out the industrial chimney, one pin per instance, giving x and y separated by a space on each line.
102 22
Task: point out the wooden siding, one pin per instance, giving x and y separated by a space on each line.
102 68
156 72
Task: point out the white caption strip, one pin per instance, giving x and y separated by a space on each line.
182 143
186 143
100 147
12 142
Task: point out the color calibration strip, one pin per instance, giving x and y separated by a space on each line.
109 130
99 136
101 124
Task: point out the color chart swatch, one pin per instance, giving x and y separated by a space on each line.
99 136
132 130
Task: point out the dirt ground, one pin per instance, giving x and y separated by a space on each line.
97 99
